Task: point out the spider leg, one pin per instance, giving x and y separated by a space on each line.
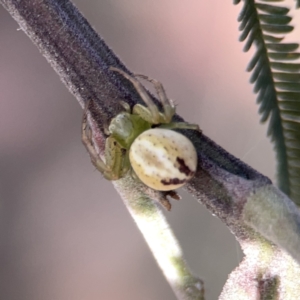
168 106
111 168
87 142
114 158
143 94
143 112
126 106
125 164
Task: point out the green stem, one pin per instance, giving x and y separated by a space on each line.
160 238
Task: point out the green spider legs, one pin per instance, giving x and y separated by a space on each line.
150 112
116 163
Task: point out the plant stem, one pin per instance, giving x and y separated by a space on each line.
160 239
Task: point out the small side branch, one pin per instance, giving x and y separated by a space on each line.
160 239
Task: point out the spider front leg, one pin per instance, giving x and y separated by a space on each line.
168 106
150 112
116 160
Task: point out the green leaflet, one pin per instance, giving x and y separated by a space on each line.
286 76
275 19
272 0
282 47
288 96
271 9
289 105
277 28
276 80
288 67
273 39
283 56
289 86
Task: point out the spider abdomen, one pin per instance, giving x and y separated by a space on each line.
163 159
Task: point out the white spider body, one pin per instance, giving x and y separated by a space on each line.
163 159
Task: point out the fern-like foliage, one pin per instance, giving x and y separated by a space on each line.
276 80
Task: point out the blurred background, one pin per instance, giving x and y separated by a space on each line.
64 232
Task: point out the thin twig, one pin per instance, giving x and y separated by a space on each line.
160 239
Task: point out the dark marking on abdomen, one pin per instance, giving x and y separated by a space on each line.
174 181
183 168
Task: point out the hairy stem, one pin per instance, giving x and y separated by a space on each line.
160 239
